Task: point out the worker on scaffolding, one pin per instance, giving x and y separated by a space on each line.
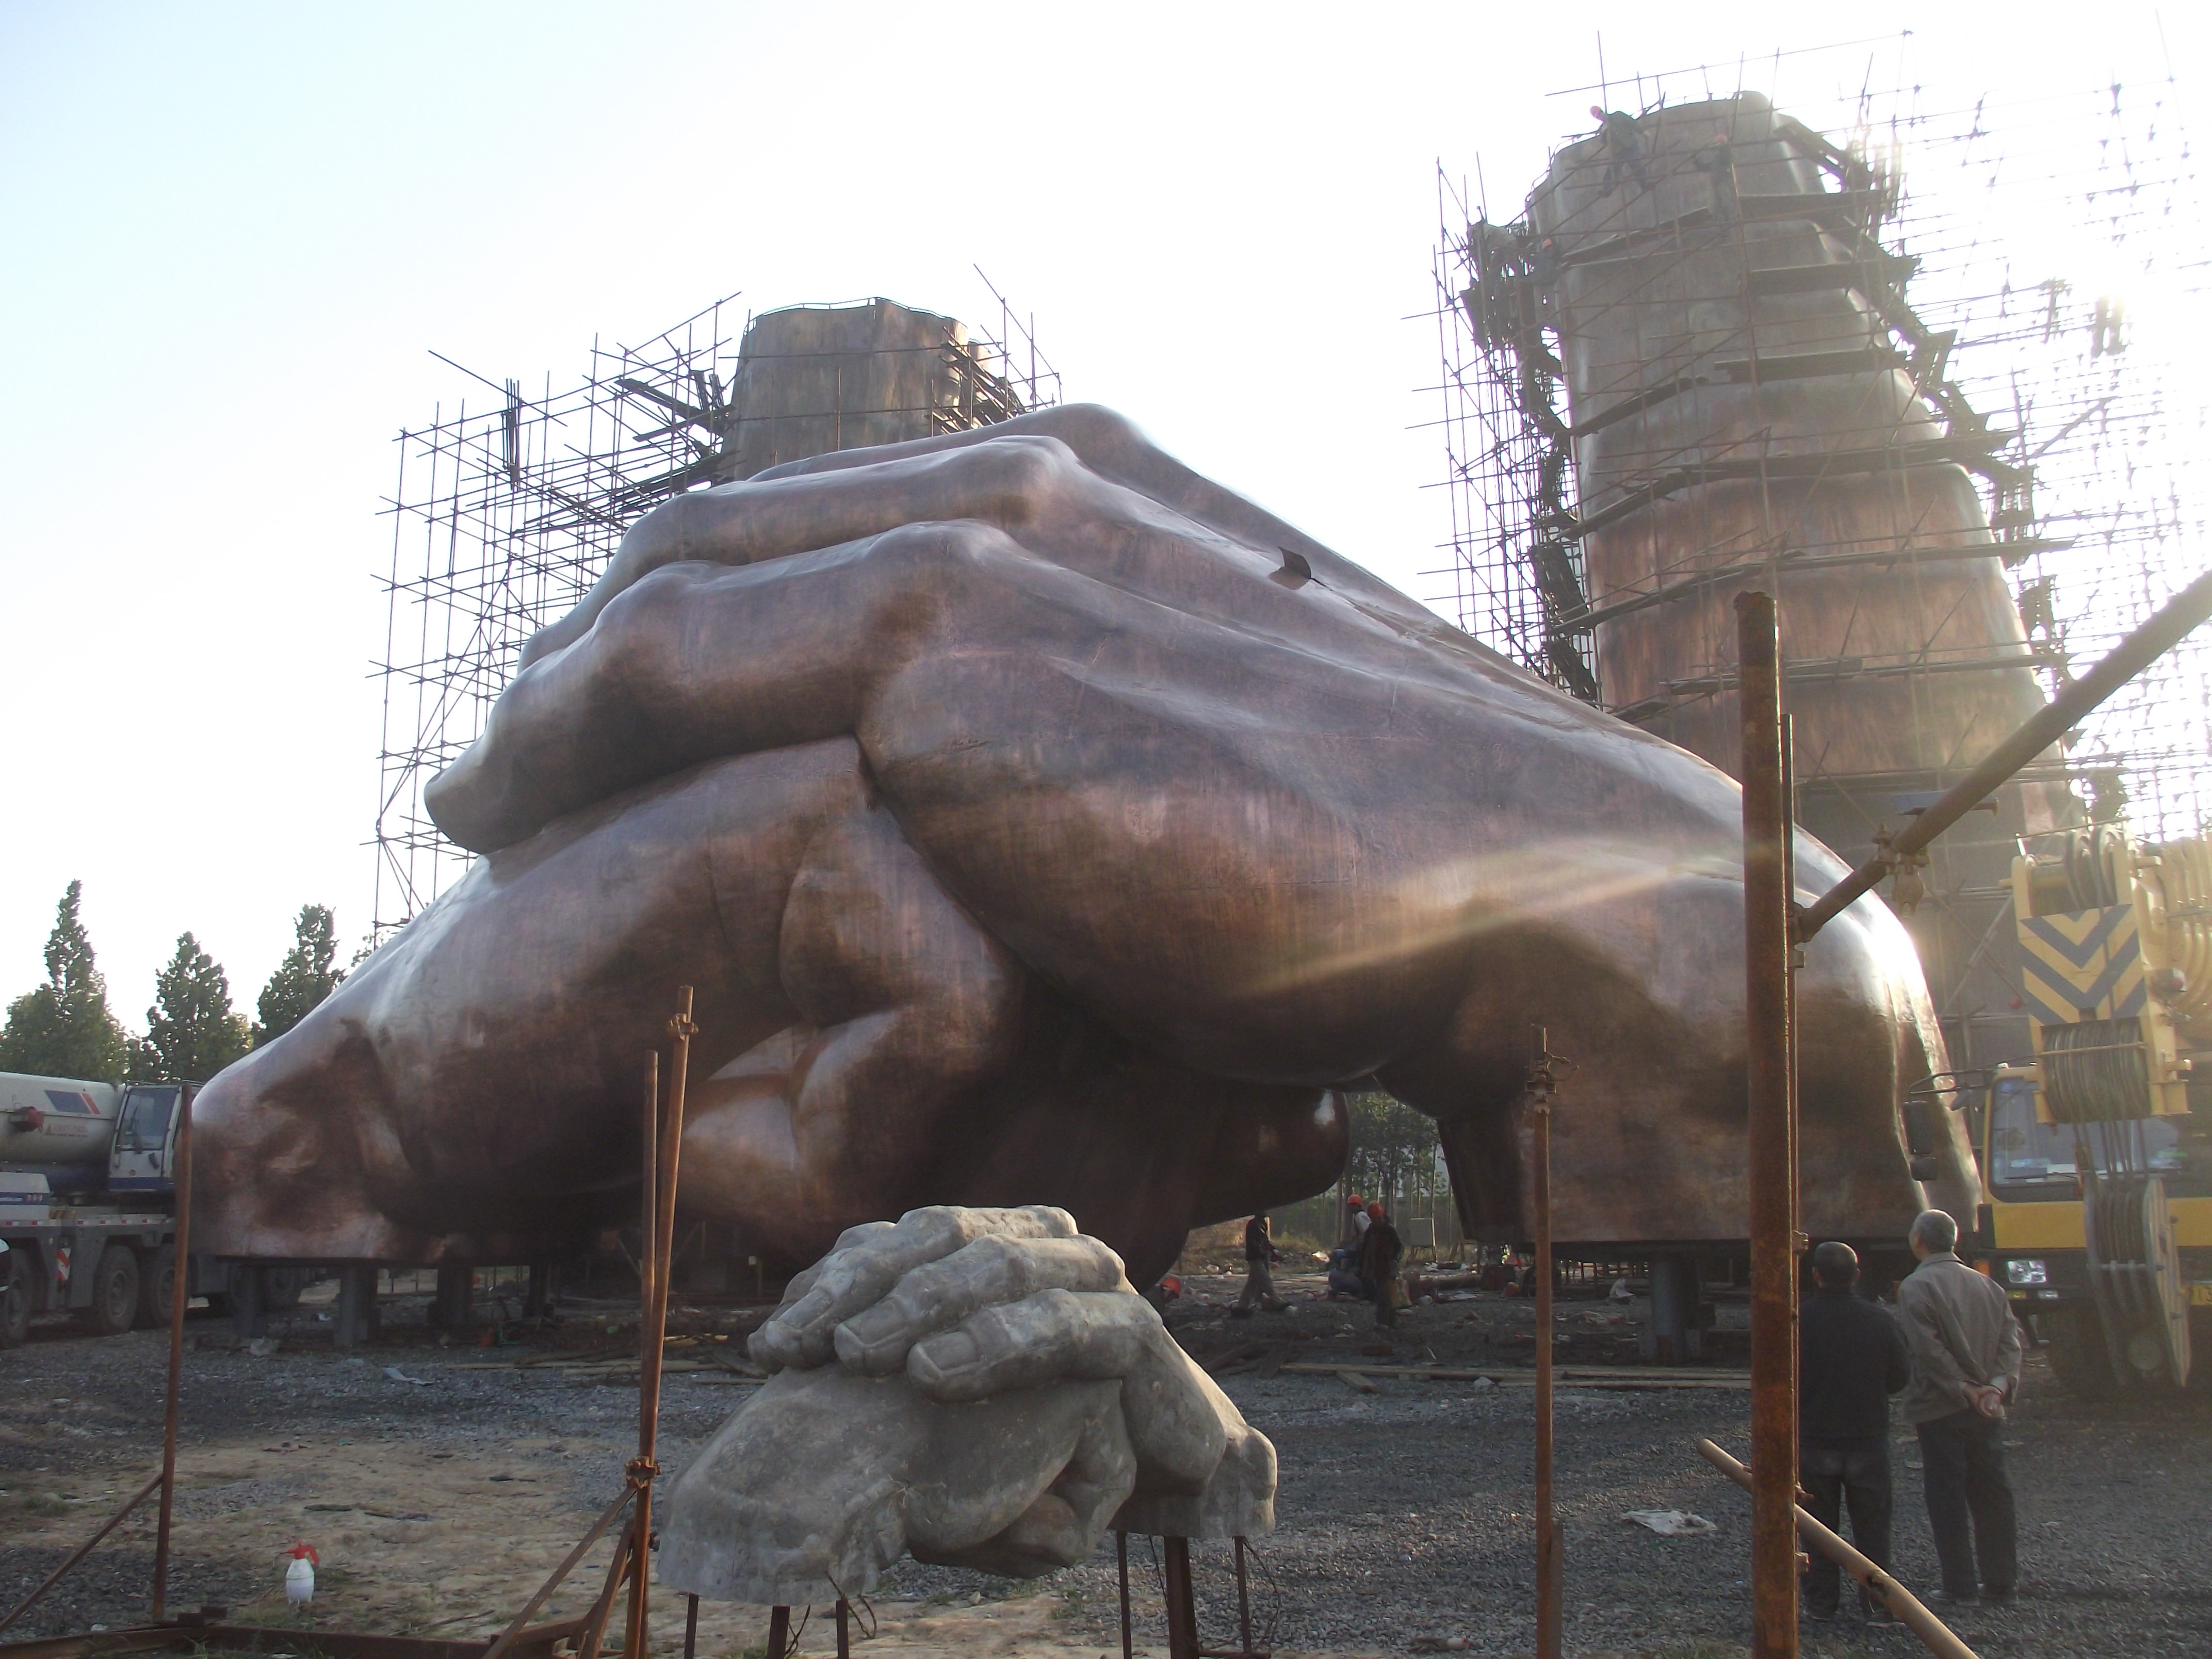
1624 147
1717 162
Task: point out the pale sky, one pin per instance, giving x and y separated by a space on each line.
233 234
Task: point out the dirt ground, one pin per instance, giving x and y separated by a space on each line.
440 1483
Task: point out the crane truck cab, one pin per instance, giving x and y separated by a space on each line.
88 1202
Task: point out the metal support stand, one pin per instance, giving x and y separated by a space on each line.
844 1629
1672 1336
356 1313
779 1632
690 1627
537 1300
1183 1605
1243 1603
249 1300
455 1305
1121 1561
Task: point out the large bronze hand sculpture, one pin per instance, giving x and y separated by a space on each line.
1041 822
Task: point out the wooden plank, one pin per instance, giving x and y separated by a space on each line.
1352 1380
1507 1377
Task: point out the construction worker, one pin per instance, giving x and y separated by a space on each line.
1259 1291
1376 1262
1717 162
1851 1358
1623 146
1966 1368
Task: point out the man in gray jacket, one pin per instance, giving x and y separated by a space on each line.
1965 1368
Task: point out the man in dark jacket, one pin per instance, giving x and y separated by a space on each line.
1377 1260
1852 1357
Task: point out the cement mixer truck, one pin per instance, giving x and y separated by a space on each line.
87 1204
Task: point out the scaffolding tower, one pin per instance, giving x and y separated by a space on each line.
507 507
1843 357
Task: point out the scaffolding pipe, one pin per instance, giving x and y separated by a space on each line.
2167 627
1885 1590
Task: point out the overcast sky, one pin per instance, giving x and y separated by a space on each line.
233 232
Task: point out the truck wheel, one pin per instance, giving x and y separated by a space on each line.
157 1283
114 1292
15 1297
2078 1355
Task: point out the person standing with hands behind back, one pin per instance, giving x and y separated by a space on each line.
1965 1369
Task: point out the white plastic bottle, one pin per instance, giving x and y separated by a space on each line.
299 1576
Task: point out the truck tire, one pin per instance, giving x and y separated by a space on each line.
15 1297
157 1283
114 1292
2079 1359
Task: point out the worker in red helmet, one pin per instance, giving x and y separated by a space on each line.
1377 1260
1355 1213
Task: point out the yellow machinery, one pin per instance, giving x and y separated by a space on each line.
2099 1176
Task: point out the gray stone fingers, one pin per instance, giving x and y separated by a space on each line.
1178 1420
993 1270
802 1333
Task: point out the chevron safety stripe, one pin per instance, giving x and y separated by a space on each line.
2083 964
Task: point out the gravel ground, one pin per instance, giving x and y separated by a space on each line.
1403 1513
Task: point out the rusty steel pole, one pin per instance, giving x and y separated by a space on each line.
180 1294
1773 1176
1886 1591
665 1142
1550 1615
2167 627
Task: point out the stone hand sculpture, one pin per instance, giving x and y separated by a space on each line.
978 1388
1039 821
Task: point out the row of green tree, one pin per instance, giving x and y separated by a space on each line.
64 1028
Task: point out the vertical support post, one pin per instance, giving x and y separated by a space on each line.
457 1296
1243 1601
1550 1618
779 1632
1772 1135
648 1204
1121 1561
249 1300
357 1315
1182 1603
844 1629
690 1627
180 1296
665 1136
538 1301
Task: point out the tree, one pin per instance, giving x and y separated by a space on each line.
304 978
1394 1148
64 1028
191 1030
